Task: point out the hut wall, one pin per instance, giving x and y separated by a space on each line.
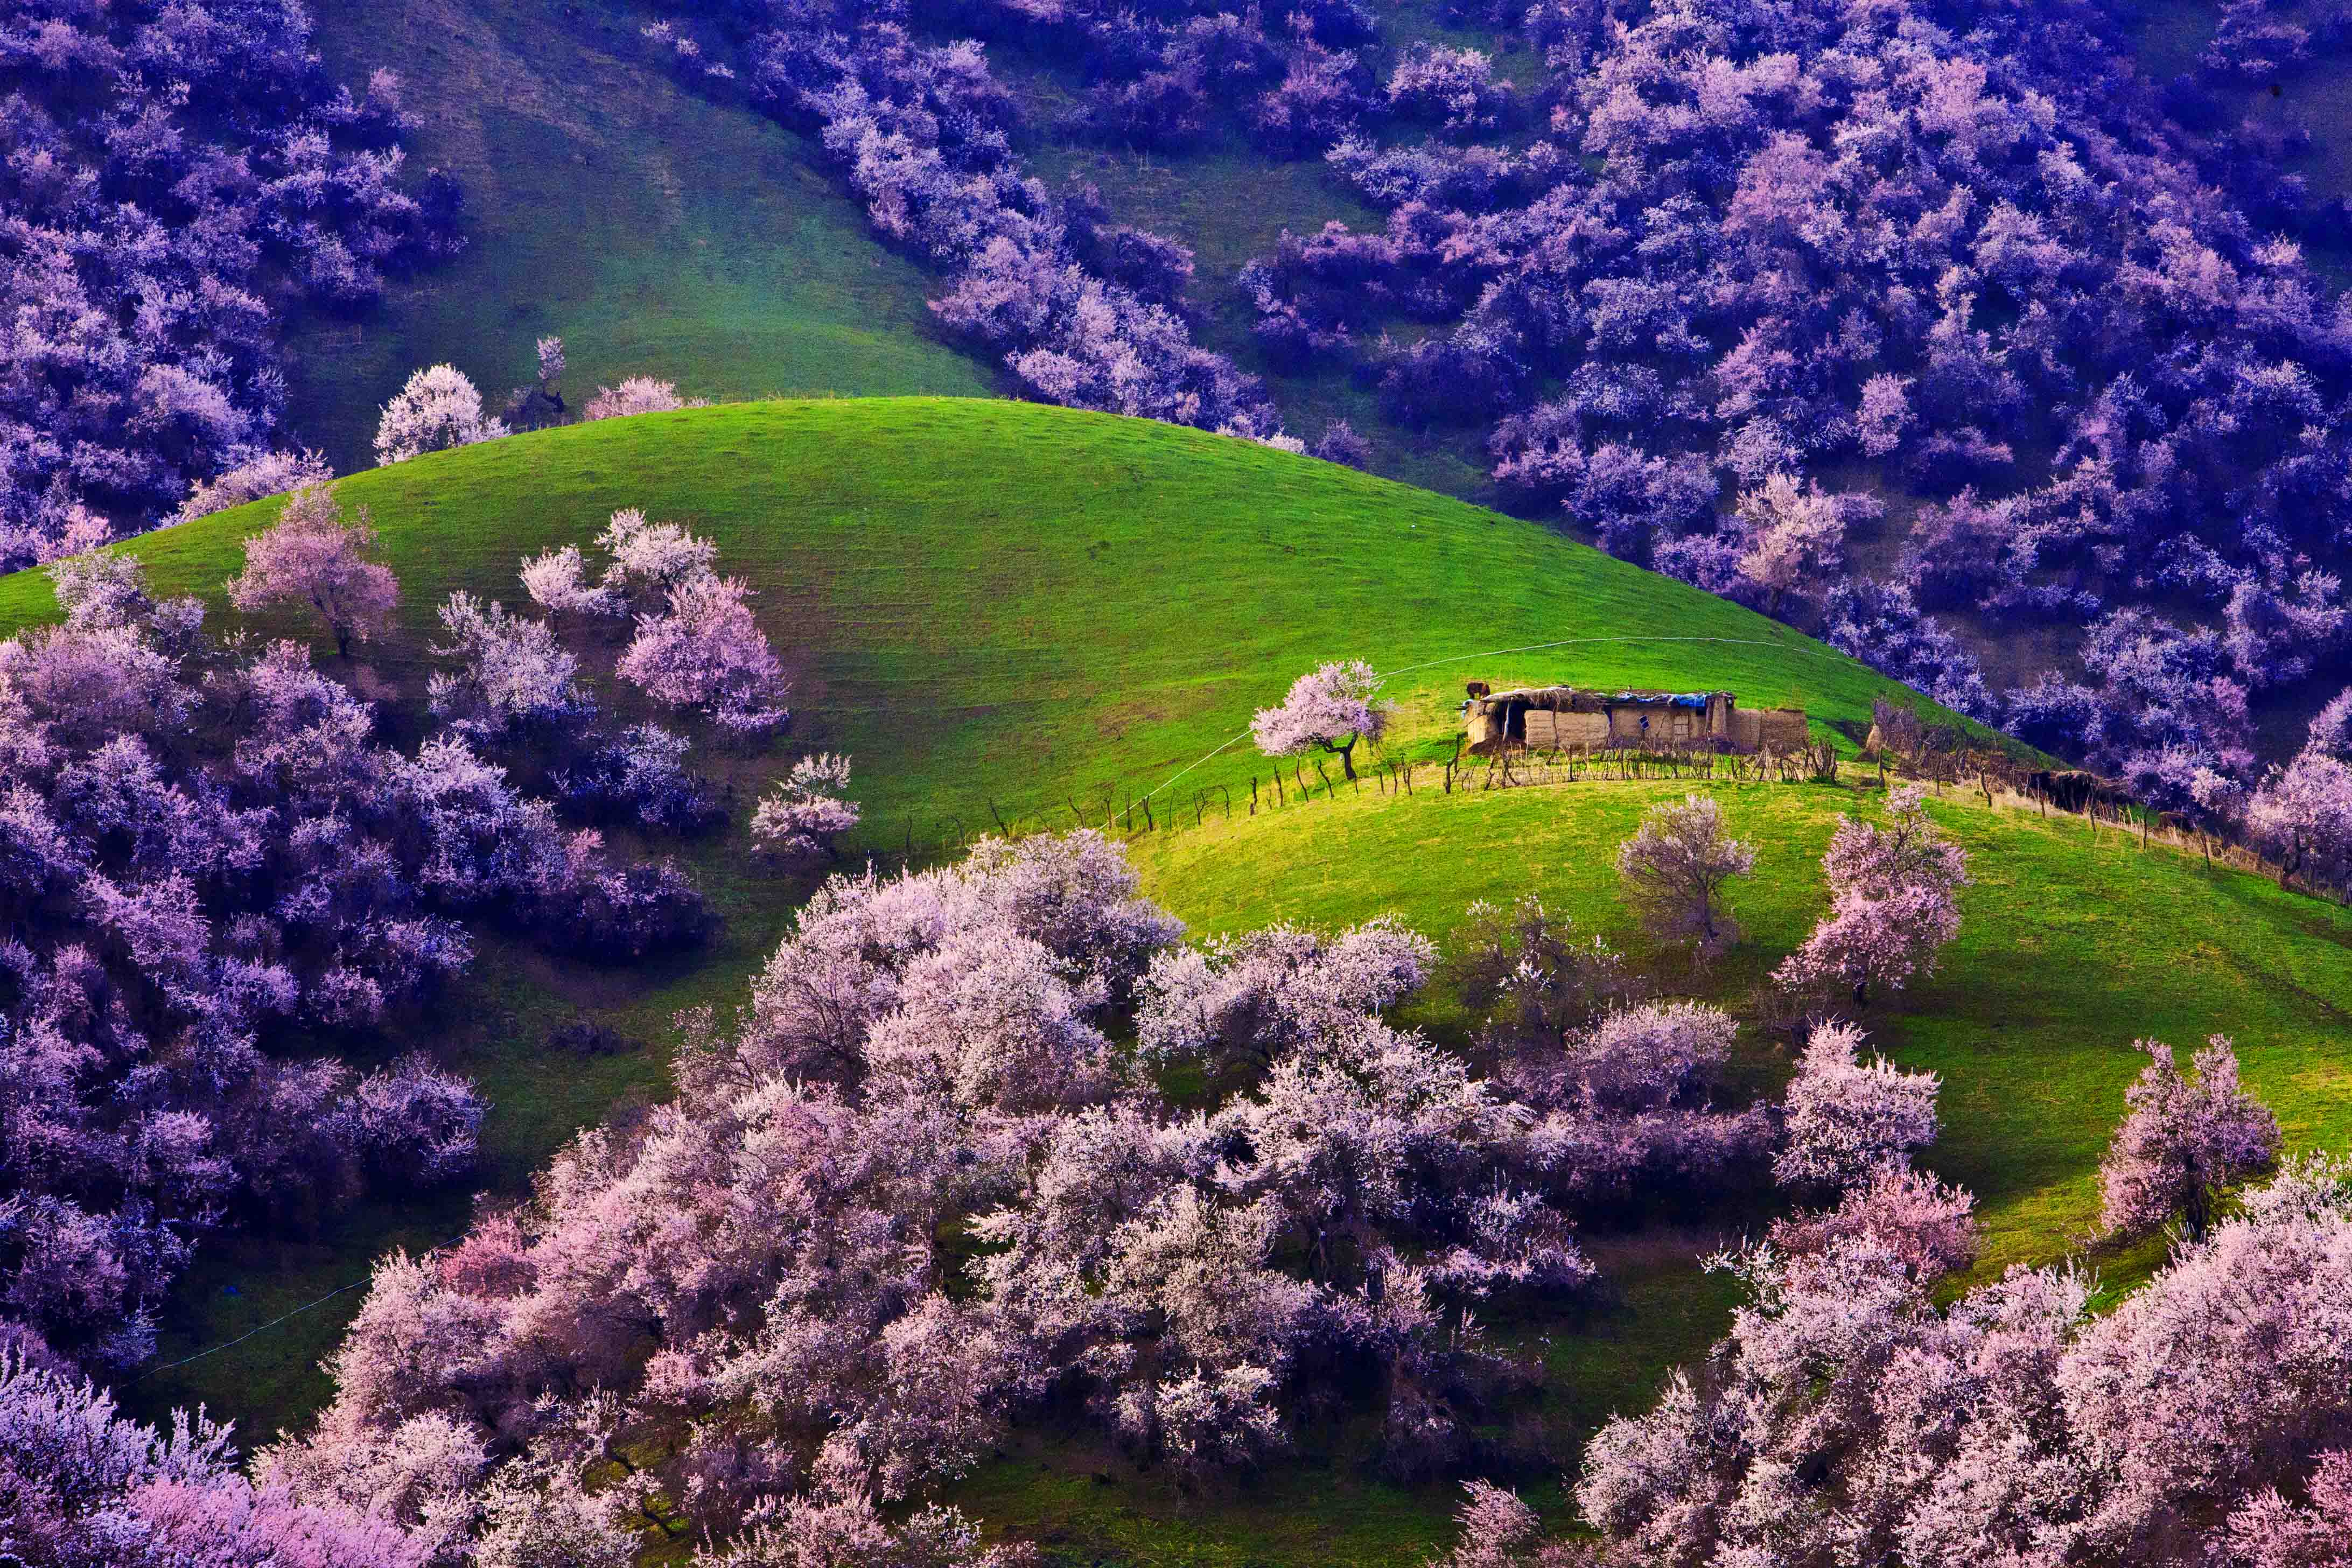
1747 730
1485 729
1566 731
1783 729
1718 716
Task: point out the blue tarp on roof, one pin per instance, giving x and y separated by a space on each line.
1678 699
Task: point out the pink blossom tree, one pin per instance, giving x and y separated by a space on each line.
2300 815
1332 707
1674 871
2182 1140
706 654
1795 534
2268 1532
313 554
1928 1226
805 813
1894 901
1849 1120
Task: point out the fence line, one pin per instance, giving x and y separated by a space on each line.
2001 783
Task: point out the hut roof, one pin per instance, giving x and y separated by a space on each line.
1585 700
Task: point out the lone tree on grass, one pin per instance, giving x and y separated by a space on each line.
1676 868
439 407
1331 707
552 366
314 554
2183 1141
806 811
1894 901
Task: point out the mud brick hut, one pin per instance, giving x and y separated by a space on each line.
1572 718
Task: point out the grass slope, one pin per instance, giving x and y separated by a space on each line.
1002 608
659 232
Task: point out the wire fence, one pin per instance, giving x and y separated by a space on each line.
1999 780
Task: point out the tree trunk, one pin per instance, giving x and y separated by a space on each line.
1347 755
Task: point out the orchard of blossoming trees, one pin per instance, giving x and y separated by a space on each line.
1734 290
207 855
170 175
759 1282
1853 1418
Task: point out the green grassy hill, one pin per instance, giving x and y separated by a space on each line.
1005 610
658 232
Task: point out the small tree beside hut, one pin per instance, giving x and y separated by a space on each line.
1329 708
1676 870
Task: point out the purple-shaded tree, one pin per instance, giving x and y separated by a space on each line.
2183 1141
1893 902
84 1487
1674 871
1849 1121
313 554
1330 708
1626 1109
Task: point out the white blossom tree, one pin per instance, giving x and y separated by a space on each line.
1331 707
438 408
1674 871
804 813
